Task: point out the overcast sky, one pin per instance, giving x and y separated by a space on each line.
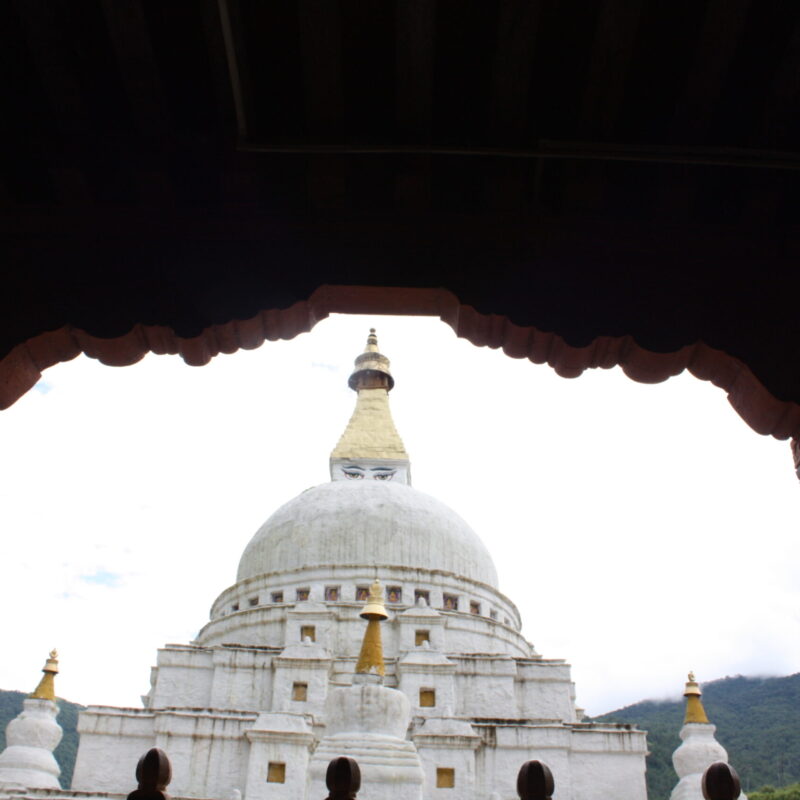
642 530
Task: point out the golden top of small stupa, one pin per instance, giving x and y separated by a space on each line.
375 607
370 659
46 689
371 433
694 705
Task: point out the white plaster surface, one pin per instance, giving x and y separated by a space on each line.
284 738
697 751
111 743
368 722
367 522
31 737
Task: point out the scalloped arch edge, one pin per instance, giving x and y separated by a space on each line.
22 368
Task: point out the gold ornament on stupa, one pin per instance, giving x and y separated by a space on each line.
372 368
694 705
46 690
371 433
370 659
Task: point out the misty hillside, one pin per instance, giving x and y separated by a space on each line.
758 723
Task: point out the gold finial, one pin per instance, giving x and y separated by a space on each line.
370 433
370 658
371 368
694 705
375 608
46 689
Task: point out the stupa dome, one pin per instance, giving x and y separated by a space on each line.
369 523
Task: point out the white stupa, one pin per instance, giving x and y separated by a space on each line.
369 722
28 761
698 749
269 689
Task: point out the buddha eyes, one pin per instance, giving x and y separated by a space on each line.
355 475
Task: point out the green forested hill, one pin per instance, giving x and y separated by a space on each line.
758 723
11 705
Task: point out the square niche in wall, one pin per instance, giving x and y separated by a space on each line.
277 597
424 594
276 772
445 777
308 632
450 602
394 594
332 593
474 607
300 691
427 698
362 593
302 594
420 637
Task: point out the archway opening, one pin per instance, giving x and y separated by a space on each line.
621 515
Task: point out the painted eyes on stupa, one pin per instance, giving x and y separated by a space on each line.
377 474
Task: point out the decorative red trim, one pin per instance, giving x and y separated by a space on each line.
22 367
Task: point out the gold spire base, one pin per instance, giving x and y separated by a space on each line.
370 659
46 690
694 710
694 705
371 433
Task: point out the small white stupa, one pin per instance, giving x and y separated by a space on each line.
368 722
698 750
28 761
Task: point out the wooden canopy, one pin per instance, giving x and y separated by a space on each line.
583 183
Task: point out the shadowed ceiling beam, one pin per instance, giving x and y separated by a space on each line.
321 46
133 50
415 25
515 44
511 72
231 32
56 68
215 36
615 38
414 58
779 127
609 64
581 151
716 46
780 112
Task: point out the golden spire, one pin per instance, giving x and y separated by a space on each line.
46 689
370 659
371 433
694 705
